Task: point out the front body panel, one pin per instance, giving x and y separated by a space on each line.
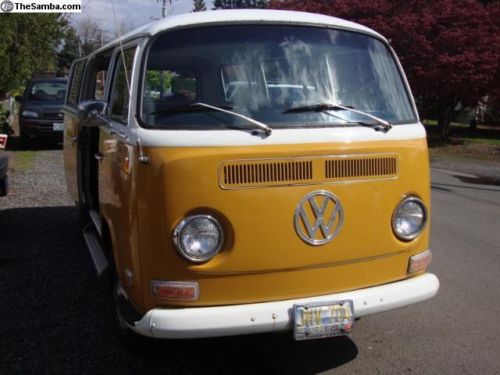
263 258
117 205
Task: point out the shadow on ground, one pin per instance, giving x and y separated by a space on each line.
56 317
15 143
480 180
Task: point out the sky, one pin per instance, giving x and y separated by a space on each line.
133 13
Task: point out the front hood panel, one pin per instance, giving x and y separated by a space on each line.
255 193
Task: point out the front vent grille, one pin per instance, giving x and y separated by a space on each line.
361 167
246 174
308 170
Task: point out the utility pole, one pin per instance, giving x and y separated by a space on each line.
164 7
101 35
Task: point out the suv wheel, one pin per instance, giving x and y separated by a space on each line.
25 138
4 186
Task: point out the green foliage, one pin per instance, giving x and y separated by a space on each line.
237 4
70 50
4 114
159 81
28 44
25 160
199 6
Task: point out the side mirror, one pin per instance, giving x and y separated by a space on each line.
18 98
91 113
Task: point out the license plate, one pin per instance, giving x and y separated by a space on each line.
325 319
58 126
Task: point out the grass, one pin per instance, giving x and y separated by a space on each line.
482 143
24 160
485 141
462 133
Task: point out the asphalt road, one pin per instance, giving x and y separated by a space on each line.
55 317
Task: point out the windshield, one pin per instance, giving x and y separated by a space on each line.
262 71
47 91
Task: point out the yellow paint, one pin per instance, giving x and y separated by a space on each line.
263 258
117 199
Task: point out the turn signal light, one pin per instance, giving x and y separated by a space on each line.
420 261
175 290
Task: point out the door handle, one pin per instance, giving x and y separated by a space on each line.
74 139
99 156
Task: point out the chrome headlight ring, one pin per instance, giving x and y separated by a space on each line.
203 232
419 213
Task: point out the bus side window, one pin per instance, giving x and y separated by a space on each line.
74 84
120 90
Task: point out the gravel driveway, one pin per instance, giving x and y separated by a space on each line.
56 317
36 180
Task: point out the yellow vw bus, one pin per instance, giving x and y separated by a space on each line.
250 171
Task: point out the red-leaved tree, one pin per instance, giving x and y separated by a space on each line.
450 49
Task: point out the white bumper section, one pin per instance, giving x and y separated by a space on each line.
277 316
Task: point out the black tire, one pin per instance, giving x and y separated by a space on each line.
25 138
4 186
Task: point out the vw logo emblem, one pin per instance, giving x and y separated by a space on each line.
318 217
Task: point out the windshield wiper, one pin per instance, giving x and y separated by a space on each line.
382 125
259 127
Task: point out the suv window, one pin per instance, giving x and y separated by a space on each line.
53 91
121 82
74 85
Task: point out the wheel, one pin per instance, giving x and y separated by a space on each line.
25 138
4 186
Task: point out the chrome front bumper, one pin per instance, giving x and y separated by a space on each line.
277 315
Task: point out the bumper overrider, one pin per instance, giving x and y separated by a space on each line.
182 323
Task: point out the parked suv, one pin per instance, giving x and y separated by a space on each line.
40 115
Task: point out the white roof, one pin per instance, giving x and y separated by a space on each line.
240 16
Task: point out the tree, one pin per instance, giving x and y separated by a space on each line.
123 28
69 51
29 43
239 4
449 48
90 35
199 6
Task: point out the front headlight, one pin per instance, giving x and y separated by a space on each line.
198 238
27 113
409 218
